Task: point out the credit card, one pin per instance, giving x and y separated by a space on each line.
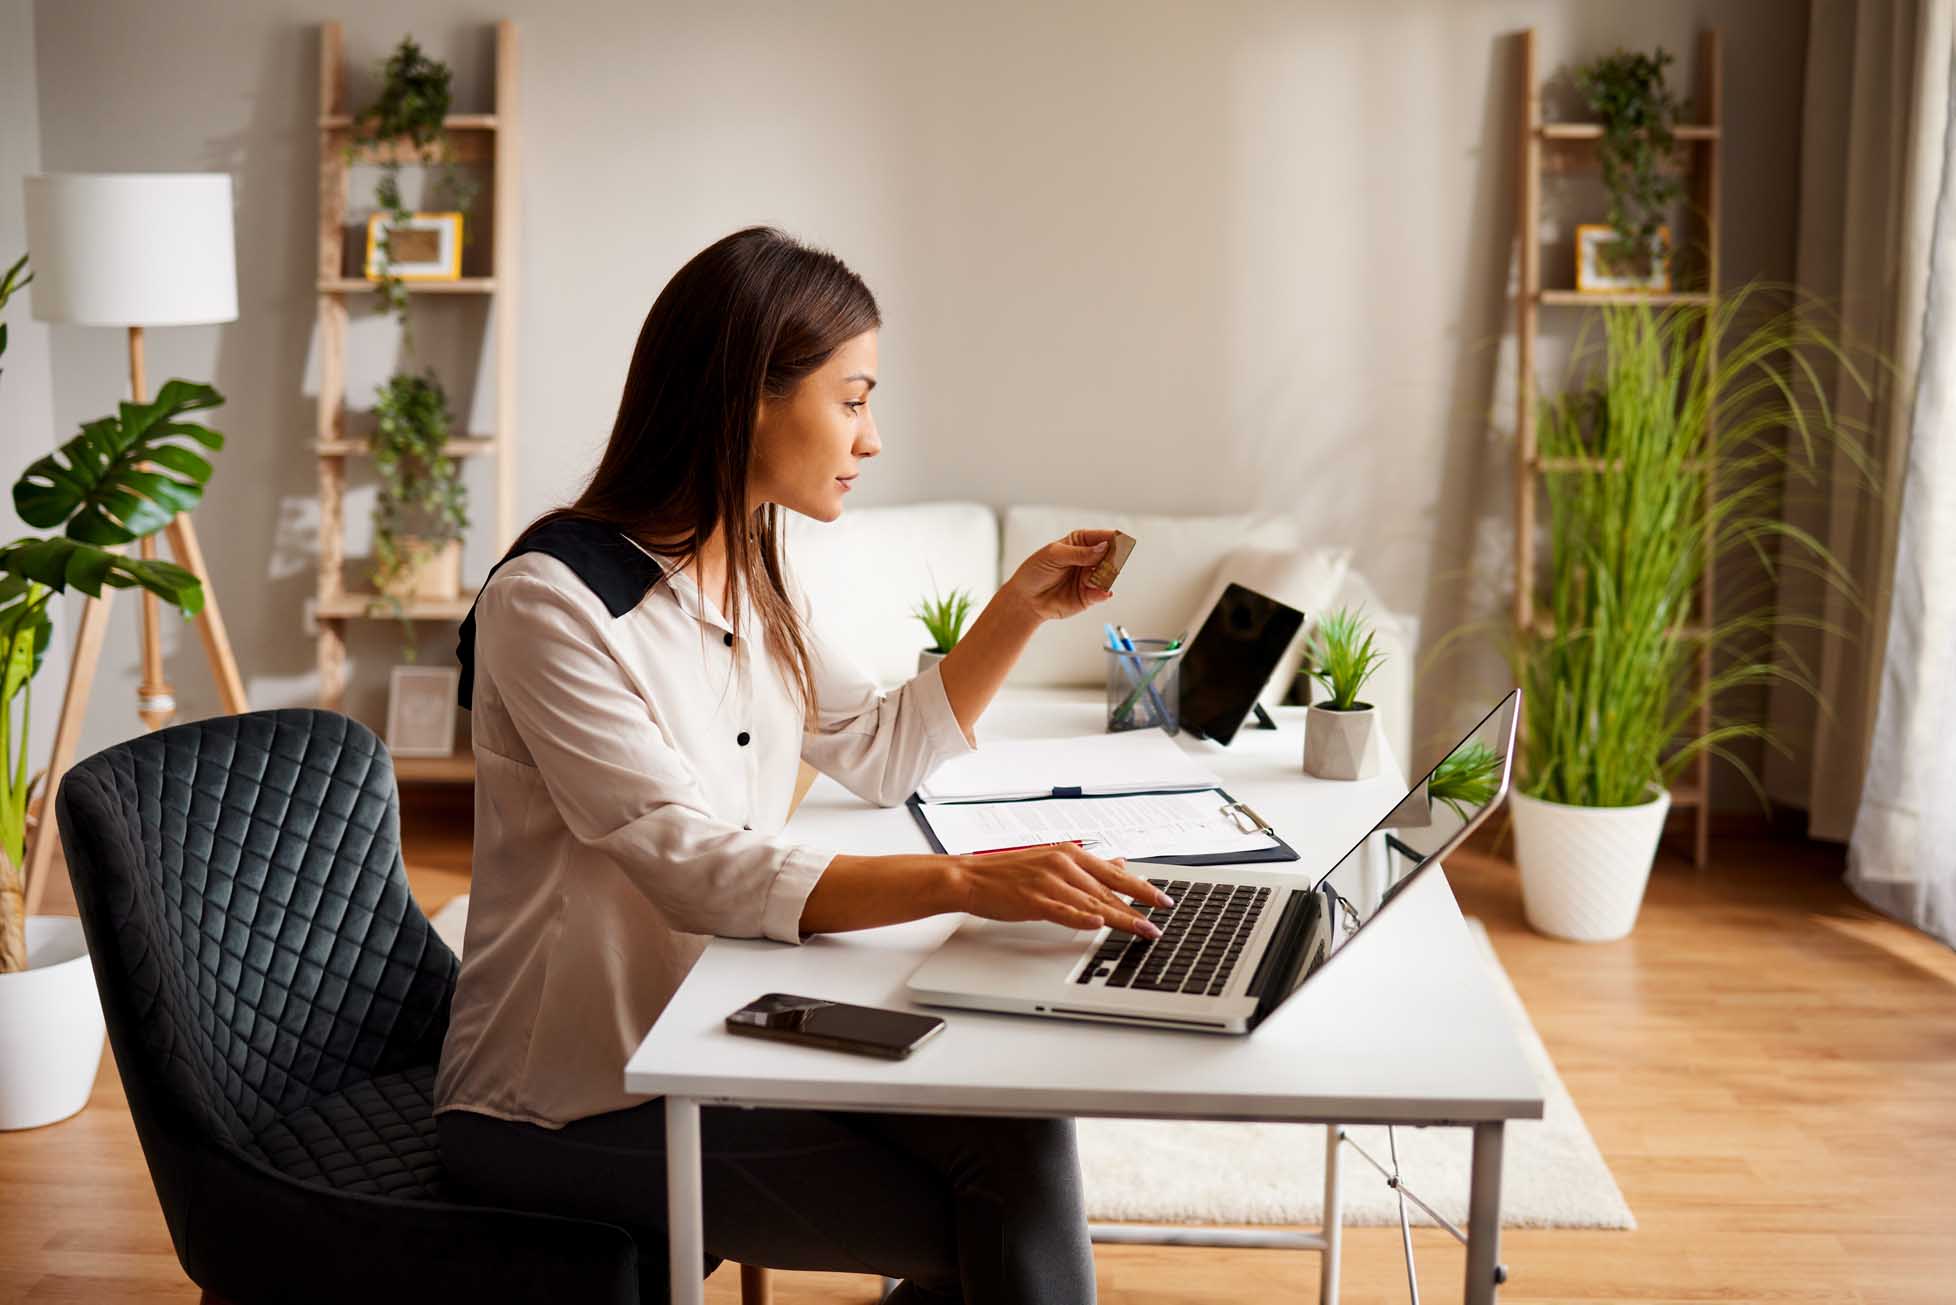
1110 564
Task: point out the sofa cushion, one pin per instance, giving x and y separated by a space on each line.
865 571
1173 566
1308 579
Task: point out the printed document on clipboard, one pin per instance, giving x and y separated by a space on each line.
1134 794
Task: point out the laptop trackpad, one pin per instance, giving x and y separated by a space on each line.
1028 938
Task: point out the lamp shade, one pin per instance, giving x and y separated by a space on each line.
132 249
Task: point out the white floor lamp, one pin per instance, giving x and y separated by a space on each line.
131 250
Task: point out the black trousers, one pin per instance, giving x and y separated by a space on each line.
963 1208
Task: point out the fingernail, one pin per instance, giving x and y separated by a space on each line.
1166 900
1151 929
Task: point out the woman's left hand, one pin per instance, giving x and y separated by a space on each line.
1053 581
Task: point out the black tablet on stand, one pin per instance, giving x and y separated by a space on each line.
1231 658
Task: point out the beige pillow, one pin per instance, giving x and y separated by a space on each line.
1307 579
1174 561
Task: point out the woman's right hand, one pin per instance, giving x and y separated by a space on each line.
1063 883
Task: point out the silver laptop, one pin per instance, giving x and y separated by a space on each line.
1238 942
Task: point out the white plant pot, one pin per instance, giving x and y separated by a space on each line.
1583 869
51 1030
928 658
1341 744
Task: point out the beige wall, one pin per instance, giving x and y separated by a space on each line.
1170 257
26 391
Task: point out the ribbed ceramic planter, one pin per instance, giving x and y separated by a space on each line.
928 658
1341 744
1583 869
51 1029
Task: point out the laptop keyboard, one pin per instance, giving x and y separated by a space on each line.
1202 936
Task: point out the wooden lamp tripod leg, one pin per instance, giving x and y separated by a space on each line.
74 706
210 621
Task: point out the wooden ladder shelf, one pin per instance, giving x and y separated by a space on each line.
488 138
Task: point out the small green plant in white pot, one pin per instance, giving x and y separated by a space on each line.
944 619
1611 714
123 478
1341 735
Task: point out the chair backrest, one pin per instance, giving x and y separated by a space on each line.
248 916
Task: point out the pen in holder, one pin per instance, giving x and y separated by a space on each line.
1143 685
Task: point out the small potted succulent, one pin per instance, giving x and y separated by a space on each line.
1341 737
944 618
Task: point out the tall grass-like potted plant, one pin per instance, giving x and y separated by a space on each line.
944 618
123 478
1610 707
1341 736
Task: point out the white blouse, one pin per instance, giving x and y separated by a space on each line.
634 768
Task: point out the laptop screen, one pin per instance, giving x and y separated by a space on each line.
1435 816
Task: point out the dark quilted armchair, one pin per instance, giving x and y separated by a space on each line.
277 1002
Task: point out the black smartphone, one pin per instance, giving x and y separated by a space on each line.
865 1030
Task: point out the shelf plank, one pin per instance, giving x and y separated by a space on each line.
453 122
1594 464
455 768
1585 298
468 285
472 446
1587 131
360 607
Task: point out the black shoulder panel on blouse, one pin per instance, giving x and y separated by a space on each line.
618 571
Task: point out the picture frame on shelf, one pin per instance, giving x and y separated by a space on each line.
421 710
1594 275
426 247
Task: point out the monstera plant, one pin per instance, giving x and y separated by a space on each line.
124 477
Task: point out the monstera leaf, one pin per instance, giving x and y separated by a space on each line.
97 482
60 563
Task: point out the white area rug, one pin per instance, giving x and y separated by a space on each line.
1159 1171
1171 1172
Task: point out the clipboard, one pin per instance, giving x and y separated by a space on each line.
1281 851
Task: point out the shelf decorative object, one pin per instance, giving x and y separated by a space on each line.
411 122
421 513
1696 149
411 113
1633 151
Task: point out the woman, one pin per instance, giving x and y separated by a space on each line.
642 680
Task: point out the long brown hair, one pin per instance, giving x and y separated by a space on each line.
748 317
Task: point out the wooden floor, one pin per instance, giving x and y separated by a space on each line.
1769 1068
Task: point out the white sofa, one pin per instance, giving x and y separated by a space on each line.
865 572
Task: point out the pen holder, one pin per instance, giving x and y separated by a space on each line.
1143 687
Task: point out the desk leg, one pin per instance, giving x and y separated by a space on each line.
1334 1214
1484 1272
686 1237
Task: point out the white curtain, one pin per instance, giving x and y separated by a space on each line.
1902 854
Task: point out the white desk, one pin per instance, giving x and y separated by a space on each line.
1404 1027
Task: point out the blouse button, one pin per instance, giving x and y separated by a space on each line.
727 639
743 738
